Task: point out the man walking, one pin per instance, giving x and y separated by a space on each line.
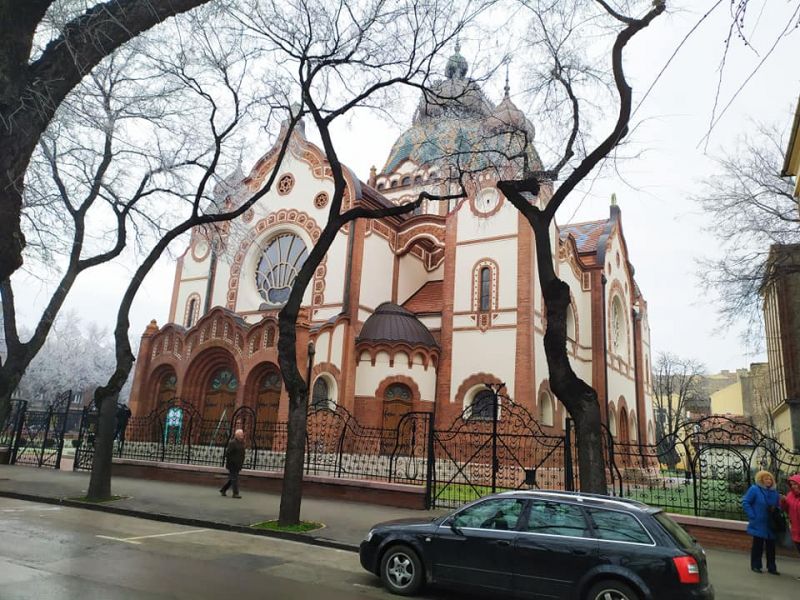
234 459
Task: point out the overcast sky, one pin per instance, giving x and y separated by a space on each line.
663 227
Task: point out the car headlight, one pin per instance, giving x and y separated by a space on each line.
369 535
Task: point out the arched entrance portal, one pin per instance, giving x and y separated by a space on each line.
220 398
268 400
396 404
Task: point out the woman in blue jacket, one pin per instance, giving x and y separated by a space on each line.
758 502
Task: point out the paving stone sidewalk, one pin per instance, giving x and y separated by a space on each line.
345 522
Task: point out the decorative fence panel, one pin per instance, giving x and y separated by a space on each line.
701 469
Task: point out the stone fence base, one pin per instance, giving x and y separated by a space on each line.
354 490
722 534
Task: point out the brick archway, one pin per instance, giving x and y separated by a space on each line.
202 369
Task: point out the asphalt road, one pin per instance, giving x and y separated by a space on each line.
58 553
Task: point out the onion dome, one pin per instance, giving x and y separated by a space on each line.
506 115
394 324
457 66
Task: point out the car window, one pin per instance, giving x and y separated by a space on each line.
556 518
678 533
497 513
618 526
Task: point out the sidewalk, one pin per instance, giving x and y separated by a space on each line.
345 522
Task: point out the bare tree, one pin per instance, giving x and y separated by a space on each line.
35 80
347 56
568 70
678 388
85 186
750 207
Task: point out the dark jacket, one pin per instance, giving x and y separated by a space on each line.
756 503
234 455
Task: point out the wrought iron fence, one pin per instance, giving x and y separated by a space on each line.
337 445
703 468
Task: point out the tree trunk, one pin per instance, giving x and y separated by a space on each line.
297 387
100 481
579 398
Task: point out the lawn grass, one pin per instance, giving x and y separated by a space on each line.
301 527
101 501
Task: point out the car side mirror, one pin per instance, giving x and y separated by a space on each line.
455 528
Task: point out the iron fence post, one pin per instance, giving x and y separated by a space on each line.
340 453
569 476
18 431
431 466
62 433
495 466
77 460
40 460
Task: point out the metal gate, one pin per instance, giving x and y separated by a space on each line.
39 436
494 447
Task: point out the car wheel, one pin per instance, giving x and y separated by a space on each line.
611 590
401 571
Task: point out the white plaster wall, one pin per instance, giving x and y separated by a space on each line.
184 291
491 352
194 268
337 347
376 281
321 345
504 253
411 277
368 378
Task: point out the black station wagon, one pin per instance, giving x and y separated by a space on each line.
541 544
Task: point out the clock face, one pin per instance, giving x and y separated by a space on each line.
487 201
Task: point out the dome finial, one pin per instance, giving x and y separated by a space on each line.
507 89
456 65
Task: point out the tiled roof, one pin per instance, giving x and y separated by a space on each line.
427 299
587 235
393 323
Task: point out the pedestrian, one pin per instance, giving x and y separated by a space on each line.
791 504
234 459
759 501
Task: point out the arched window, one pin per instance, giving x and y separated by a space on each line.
381 186
546 410
633 429
406 180
321 395
482 406
166 387
432 175
486 289
651 433
393 183
619 335
192 311
280 262
418 179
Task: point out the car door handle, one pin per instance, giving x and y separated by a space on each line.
503 543
578 552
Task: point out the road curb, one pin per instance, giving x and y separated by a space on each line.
191 522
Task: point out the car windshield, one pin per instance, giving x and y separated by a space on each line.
680 535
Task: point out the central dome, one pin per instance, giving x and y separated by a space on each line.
454 118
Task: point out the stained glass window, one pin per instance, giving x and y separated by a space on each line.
224 379
280 262
398 391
